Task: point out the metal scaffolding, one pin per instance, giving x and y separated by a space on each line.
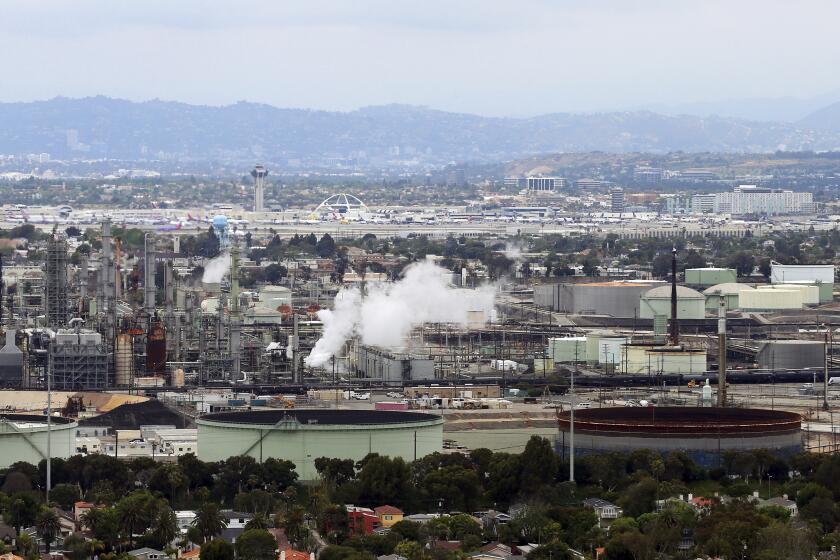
56 304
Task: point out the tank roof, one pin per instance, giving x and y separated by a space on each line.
665 292
330 417
727 288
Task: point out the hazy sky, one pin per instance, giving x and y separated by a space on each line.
516 57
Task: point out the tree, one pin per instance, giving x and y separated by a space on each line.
217 549
640 497
383 480
256 544
334 552
47 526
104 524
743 263
170 480
337 471
209 521
325 248
135 514
662 265
459 487
77 547
275 272
409 549
23 510
65 495
693 260
539 465
279 474
164 526
552 551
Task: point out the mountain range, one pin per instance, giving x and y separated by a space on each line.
102 127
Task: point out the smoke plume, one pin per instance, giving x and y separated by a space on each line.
388 313
216 269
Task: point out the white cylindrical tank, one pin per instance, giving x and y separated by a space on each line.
810 292
609 349
124 360
567 350
768 300
593 340
23 437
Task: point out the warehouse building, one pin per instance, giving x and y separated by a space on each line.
821 275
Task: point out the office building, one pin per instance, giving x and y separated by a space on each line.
617 200
545 184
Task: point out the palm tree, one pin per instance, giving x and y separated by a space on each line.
164 525
209 521
48 526
132 513
259 521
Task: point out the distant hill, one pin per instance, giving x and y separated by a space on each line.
98 127
827 118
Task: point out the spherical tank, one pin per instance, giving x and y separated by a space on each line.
302 435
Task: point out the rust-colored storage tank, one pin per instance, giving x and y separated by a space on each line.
156 349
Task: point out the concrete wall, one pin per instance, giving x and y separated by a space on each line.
302 444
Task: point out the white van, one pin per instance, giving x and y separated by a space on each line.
834 380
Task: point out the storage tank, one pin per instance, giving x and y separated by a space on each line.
730 291
815 273
301 436
770 300
704 433
609 349
273 297
691 304
791 354
23 437
593 339
156 349
646 359
567 350
705 277
124 360
810 292
178 377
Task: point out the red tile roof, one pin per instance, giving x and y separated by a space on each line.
387 510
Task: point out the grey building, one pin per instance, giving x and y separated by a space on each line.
79 361
791 354
392 368
612 298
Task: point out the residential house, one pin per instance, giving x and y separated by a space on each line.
362 521
606 511
8 536
147 553
391 557
79 510
780 501
421 518
184 519
388 515
493 551
492 519
235 522
292 554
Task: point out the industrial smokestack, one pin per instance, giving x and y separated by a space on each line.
675 323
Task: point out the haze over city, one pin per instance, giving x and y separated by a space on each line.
442 280
486 57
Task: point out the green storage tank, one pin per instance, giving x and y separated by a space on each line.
705 277
303 435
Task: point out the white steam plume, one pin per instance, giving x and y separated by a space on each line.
216 269
514 250
389 312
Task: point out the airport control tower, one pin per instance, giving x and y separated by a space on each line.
259 174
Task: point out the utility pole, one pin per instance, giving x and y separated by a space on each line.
825 370
572 423
722 351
